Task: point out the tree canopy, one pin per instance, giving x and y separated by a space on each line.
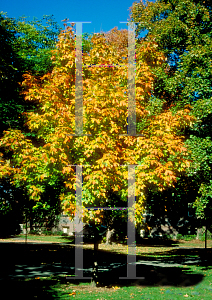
160 152
26 47
182 30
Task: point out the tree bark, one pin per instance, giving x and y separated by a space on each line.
206 236
199 231
95 263
109 235
31 224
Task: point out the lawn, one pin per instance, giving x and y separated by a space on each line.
170 272
39 238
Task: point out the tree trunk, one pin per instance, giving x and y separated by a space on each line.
199 231
95 263
26 229
31 220
206 236
31 224
109 235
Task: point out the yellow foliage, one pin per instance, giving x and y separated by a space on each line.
105 111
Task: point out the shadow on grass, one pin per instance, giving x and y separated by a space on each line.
30 289
22 263
157 242
148 242
194 256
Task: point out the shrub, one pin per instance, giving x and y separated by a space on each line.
58 233
64 234
179 236
35 232
47 232
167 236
209 236
189 237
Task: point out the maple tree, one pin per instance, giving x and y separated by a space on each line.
160 153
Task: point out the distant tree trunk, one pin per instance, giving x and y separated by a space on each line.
199 231
95 257
95 263
31 223
30 218
206 236
206 226
109 235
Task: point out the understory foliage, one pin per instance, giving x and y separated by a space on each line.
160 152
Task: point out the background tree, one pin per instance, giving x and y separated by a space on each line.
12 201
182 30
172 208
11 104
26 48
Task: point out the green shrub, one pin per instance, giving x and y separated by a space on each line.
209 236
179 236
47 232
35 232
189 237
64 234
58 233
167 236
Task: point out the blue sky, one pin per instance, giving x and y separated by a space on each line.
104 15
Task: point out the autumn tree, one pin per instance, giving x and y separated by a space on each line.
160 153
105 152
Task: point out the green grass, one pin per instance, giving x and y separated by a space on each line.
44 238
58 287
85 291
202 290
40 287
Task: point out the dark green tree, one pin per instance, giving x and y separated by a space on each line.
183 30
25 47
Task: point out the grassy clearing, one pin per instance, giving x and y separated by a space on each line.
195 277
66 239
85 291
39 238
201 290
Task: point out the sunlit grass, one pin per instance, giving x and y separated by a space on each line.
44 238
